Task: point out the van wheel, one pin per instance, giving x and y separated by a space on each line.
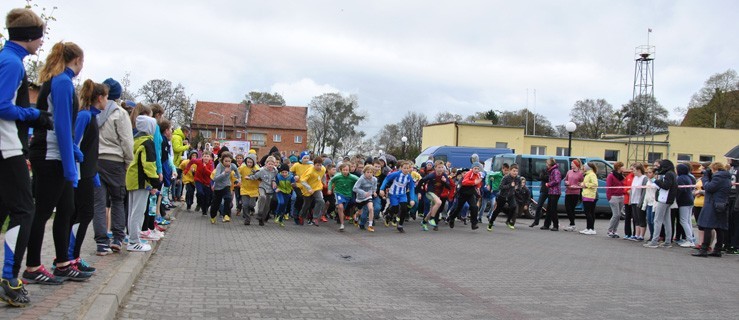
531 213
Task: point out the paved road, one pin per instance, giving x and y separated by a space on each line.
236 271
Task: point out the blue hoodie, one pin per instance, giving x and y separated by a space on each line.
684 195
12 75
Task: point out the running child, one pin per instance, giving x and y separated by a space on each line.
434 184
342 184
202 180
222 186
400 184
249 188
188 180
312 191
285 186
366 190
267 184
467 193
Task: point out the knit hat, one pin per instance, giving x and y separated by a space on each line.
114 91
293 158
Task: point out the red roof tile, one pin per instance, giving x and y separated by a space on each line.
203 116
278 117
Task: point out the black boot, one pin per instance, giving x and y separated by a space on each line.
533 225
701 253
715 253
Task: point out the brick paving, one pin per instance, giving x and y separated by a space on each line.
70 299
235 271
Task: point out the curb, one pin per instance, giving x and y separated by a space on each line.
115 291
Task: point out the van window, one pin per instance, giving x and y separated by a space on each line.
524 168
498 162
537 165
441 157
603 169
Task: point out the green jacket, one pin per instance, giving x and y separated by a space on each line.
343 184
177 146
493 179
142 172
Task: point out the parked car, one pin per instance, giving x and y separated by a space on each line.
458 156
529 167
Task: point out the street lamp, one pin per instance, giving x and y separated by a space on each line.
404 139
570 127
223 123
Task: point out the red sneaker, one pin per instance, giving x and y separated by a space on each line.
323 219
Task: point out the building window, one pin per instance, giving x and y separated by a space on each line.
501 144
684 157
540 150
277 138
221 134
654 156
562 151
206 133
610 155
258 139
298 139
705 158
238 134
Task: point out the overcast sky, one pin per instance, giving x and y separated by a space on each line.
427 56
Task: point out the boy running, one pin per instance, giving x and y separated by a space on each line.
342 184
365 188
399 184
434 183
312 191
468 192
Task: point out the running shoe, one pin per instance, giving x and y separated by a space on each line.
651 245
490 227
341 228
474 226
147 235
285 216
323 219
451 223
138 247
424 227
432 222
400 229
41 276
70 272
666 245
16 296
157 233
570 228
371 229
395 221
277 219
387 222
83 266
687 244
212 220
226 219
282 224
261 222
160 228
584 231
103 249
436 228
510 226
115 246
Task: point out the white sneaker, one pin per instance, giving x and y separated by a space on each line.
584 231
590 232
687 244
138 247
148 235
570 228
341 228
157 233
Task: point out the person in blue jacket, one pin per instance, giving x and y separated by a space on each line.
25 36
54 158
93 99
399 184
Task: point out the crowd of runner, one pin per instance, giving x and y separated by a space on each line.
123 167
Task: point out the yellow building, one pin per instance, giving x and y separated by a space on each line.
677 144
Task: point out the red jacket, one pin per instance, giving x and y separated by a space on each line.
470 178
202 173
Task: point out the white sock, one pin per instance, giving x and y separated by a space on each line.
370 223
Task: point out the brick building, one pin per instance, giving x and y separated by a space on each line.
264 126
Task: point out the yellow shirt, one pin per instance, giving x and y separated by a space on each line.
187 177
415 176
249 187
313 178
298 169
699 199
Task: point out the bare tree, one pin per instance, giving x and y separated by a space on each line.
257 97
593 118
446 116
332 118
178 106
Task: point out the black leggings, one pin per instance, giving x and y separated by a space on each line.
707 239
640 217
189 194
500 203
403 208
471 199
552 211
215 205
589 207
84 204
571 201
16 201
50 191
